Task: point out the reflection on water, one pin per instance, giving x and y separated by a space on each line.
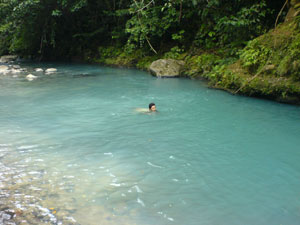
74 151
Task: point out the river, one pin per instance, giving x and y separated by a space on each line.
73 150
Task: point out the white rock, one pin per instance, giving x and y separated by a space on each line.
4 70
16 66
8 58
51 70
31 77
39 70
3 67
15 71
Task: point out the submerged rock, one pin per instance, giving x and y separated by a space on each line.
8 58
38 70
14 71
166 68
84 75
4 69
51 70
31 77
11 69
16 67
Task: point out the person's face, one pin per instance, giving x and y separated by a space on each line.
153 108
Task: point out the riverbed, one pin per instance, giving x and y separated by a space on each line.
74 150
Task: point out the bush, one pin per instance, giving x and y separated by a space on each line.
255 55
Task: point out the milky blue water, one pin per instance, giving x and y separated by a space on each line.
73 139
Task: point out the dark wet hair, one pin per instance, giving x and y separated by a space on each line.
150 105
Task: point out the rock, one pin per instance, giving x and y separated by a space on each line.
8 58
84 75
166 68
51 70
31 77
39 70
4 69
14 71
16 67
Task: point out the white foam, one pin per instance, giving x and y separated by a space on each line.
138 189
5 145
34 172
70 177
26 147
112 175
150 164
39 160
140 202
70 218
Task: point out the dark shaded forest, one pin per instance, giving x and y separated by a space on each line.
52 29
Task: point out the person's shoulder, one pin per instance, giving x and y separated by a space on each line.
142 110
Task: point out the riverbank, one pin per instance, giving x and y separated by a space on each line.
268 67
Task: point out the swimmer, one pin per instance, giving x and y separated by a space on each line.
152 108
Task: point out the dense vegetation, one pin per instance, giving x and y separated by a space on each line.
67 28
212 36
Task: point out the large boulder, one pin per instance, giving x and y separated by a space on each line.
8 58
166 68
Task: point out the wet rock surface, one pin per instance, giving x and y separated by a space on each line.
166 68
8 58
29 74
25 197
33 193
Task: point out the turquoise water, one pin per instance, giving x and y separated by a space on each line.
74 150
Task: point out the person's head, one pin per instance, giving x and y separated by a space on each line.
152 107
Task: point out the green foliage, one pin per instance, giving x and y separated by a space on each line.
255 55
297 14
148 23
232 22
113 55
53 28
290 64
174 53
201 65
244 25
178 36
